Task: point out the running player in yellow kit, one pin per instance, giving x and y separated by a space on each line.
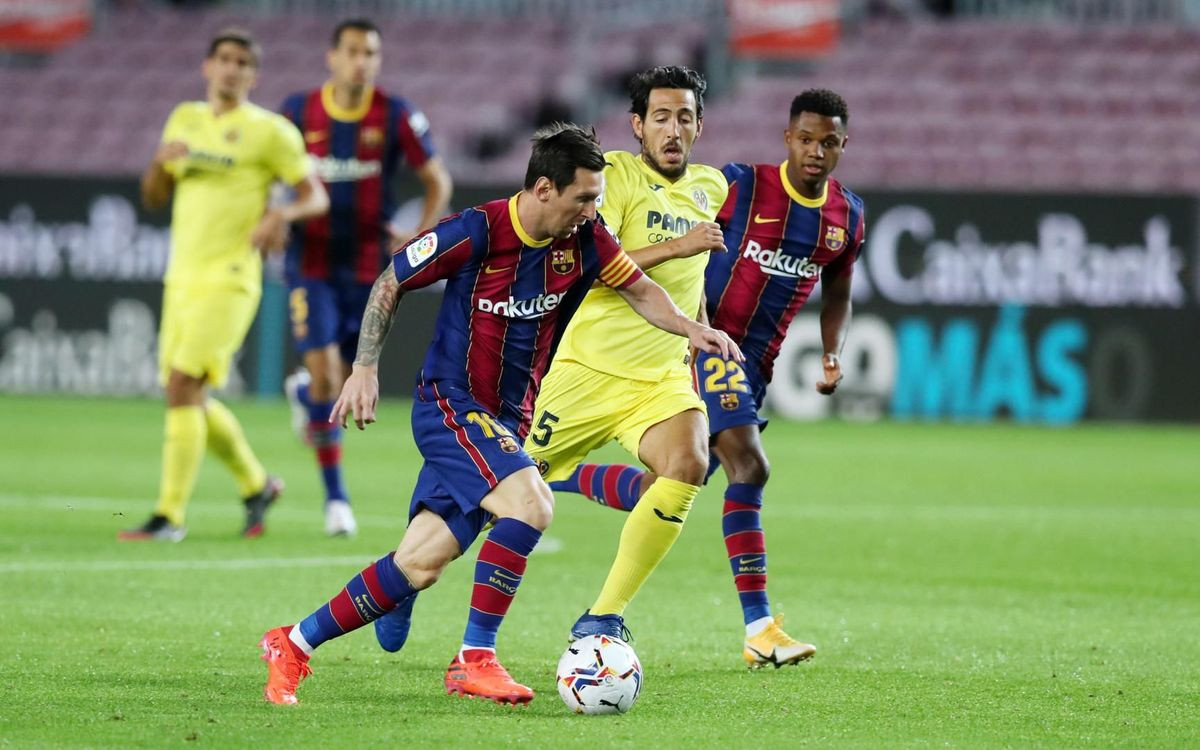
614 377
219 157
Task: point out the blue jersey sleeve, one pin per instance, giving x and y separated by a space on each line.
412 133
293 109
441 251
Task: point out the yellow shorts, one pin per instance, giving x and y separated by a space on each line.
580 409
202 329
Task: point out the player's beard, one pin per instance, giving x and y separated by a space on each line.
671 173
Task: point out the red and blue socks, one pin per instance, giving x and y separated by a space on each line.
614 485
326 439
368 596
742 526
498 572
618 486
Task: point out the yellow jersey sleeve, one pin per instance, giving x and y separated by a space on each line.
173 131
286 156
611 205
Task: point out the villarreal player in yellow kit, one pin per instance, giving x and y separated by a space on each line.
219 158
615 377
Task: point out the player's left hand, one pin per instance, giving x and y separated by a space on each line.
360 396
832 365
715 342
271 233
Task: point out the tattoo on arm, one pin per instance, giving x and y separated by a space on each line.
377 318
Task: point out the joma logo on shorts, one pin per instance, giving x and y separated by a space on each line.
778 263
523 309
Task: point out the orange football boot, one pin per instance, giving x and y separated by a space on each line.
485 678
285 667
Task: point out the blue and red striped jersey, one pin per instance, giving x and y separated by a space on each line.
356 155
507 301
779 244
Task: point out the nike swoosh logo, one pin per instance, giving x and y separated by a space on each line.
314 136
669 519
758 219
500 574
493 269
748 560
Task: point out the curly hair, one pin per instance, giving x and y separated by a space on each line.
821 102
665 77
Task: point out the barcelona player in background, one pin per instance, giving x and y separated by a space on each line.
516 269
218 159
786 226
358 137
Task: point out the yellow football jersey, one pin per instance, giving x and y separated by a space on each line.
643 208
221 189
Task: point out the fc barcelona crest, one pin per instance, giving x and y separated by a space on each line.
371 137
562 261
509 445
729 401
835 238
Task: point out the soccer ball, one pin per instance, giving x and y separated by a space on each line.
599 675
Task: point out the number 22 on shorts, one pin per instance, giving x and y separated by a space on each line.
724 375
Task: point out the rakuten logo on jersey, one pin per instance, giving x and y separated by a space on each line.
332 169
778 263
525 309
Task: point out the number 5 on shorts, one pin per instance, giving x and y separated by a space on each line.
543 429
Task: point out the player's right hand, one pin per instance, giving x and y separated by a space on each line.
706 235
170 151
715 342
360 396
832 365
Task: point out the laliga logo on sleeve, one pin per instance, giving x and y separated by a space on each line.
419 250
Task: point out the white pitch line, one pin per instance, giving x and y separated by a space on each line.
82 566
783 506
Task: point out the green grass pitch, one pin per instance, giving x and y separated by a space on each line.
967 585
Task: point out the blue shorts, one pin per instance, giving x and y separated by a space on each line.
326 312
467 452
733 394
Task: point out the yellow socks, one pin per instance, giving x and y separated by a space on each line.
183 447
651 529
228 443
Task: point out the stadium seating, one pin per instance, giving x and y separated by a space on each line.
934 105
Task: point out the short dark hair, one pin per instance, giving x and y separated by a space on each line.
559 149
238 36
665 77
364 25
820 102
